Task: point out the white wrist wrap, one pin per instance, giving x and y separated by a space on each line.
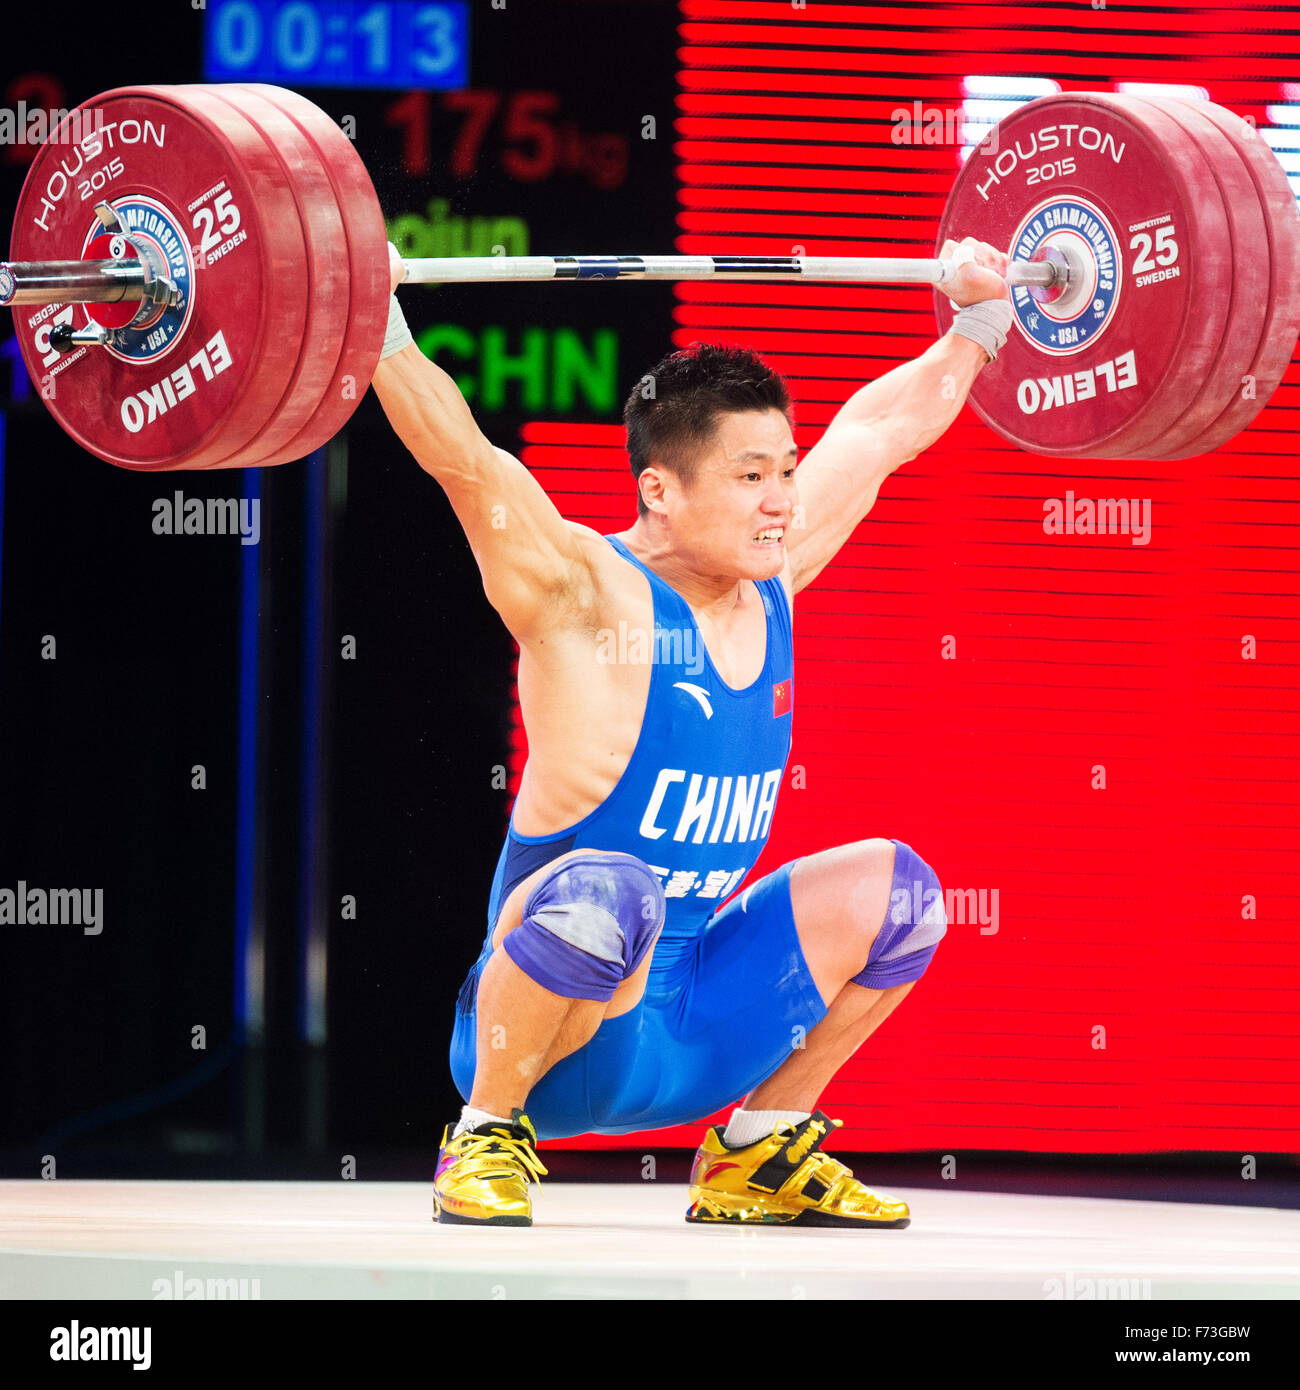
398 334
986 323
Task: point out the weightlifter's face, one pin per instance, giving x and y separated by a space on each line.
743 487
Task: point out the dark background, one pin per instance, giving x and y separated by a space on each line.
371 777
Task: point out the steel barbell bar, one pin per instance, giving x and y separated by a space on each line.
111 282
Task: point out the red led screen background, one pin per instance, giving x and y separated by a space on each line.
1130 984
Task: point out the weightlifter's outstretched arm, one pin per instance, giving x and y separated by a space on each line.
533 568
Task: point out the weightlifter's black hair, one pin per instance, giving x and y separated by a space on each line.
673 410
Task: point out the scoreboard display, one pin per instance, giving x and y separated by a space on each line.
344 43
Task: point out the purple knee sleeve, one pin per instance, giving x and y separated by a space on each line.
587 926
915 923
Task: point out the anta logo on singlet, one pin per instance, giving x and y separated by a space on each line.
728 810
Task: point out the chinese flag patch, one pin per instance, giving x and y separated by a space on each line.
781 698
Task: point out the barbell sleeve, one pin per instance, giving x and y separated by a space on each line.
72 282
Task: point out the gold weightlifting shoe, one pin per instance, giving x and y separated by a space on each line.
786 1180
483 1174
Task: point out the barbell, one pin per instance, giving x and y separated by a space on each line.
200 276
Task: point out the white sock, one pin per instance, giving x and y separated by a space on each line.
471 1119
749 1126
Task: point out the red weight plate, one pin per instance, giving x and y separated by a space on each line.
325 267
1280 251
1130 199
197 385
367 263
1250 281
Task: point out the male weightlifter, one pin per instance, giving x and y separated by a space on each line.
611 994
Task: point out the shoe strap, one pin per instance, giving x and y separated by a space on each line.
803 1140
